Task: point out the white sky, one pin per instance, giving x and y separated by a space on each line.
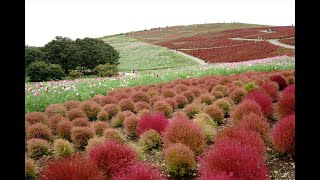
45 19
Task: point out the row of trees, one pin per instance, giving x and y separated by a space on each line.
82 54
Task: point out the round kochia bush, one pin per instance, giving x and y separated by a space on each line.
234 158
270 88
224 105
111 134
112 157
75 113
35 117
39 130
179 159
238 94
80 122
75 167
130 125
245 107
139 171
150 140
286 103
126 105
64 129
280 79
30 169
99 127
53 109
243 136
91 109
183 130
140 96
138 106
283 135
215 113
181 100
156 121
263 100
62 148
71 104
164 107
37 147
102 115
191 110
111 109
81 135
54 121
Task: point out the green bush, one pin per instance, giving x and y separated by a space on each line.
30 169
103 70
74 74
150 140
62 148
42 71
56 72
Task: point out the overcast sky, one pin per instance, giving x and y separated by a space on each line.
45 19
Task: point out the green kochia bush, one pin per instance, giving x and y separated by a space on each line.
62 148
30 169
150 139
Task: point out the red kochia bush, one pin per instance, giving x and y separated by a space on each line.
156 121
75 167
189 95
235 159
54 121
126 105
182 130
112 110
141 105
245 107
130 125
107 100
181 100
53 109
71 104
270 88
90 108
112 157
217 176
139 171
75 113
244 136
164 107
81 135
39 130
35 117
283 135
64 129
263 100
286 103
81 122
168 93
280 79
140 96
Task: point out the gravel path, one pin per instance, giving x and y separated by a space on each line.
198 60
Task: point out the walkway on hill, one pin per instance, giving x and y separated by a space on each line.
198 60
272 41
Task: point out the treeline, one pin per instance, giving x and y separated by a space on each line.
66 57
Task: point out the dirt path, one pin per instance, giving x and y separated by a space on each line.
198 60
272 41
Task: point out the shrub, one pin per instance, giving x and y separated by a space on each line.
75 113
37 147
140 96
263 100
217 176
224 105
111 134
182 130
291 80
150 140
280 79
238 94
205 118
215 113
91 109
126 105
270 88
256 123
245 107
179 159
30 169
208 99
64 129
62 148
232 157
208 130
221 88
74 74
250 86
179 88
81 135
107 100
99 127
140 106
244 136
151 93
156 121
54 121
286 102
172 102
55 72
283 135
217 94
191 110
196 91
118 120
112 110
41 71
94 142
73 167
181 100
130 125
154 99
35 117
102 115
164 107
107 69
80 122
179 114
112 157
139 171
168 93
54 109
189 95
138 149
238 83
39 130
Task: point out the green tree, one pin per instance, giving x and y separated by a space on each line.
42 71
62 51
32 54
94 52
